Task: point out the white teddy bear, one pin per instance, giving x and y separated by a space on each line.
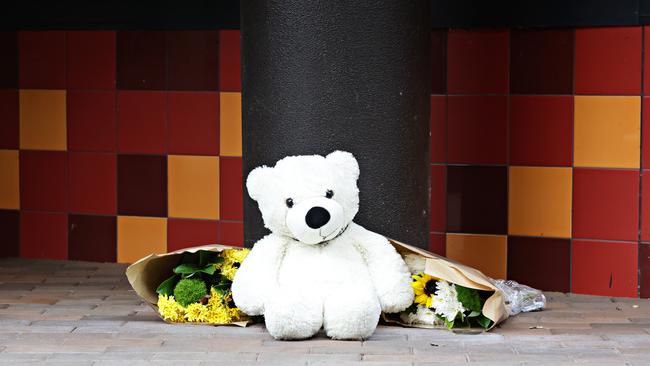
317 268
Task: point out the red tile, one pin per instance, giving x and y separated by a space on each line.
437 243
193 123
190 233
43 235
438 198
604 268
193 60
229 61
10 233
477 129
529 261
438 129
608 60
141 121
645 206
439 61
232 233
605 204
44 180
41 59
541 130
230 188
91 59
92 238
9 126
92 187
9 61
140 60
646 59
142 185
644 269
645 129
477 61
92 124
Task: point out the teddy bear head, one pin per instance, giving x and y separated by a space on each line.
309 198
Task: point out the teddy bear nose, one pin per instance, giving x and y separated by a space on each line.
317 217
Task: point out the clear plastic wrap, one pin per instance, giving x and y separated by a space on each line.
520 298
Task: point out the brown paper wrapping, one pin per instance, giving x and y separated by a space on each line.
147 273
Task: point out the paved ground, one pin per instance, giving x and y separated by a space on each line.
80 313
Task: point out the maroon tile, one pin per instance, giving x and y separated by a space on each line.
189 233
92 124
193 60
92 187
193 123
439 61
142 185
43 235
10 233
605 204
9 61
645 206
141 122
231 189
438 208
477 199
646 59
608 60
141 60
542 263
605 268
477 61
438 144
541 61
644 270
541 130
91 59
477 129
41 60
9 125
437 243
92 238
44 180
229 61
232 233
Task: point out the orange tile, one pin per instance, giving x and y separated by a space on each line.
230 123
487 253
140 236
539 201
43 119
193 186
10 182
607 131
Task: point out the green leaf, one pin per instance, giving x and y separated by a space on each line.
189 269
484 321
167 286
204 257
449 324
216 260
412 309
469 297
474 314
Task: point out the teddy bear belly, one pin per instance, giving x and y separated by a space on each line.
320 270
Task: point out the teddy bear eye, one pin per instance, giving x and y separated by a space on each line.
289 202
329 193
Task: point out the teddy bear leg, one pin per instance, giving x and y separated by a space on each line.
351 312
290 315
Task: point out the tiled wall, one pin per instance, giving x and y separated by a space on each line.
536 159
117 144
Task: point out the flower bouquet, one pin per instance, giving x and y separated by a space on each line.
191 285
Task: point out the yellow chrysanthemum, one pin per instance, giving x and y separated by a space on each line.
235 255
424 287
170 310
232 260
196 312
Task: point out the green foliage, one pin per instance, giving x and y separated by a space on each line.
470 298
189 290
167 286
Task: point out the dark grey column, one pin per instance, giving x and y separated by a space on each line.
318 76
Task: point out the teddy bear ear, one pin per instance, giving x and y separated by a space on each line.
346 162
258 179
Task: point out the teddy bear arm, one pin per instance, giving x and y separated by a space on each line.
389 273
256 277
